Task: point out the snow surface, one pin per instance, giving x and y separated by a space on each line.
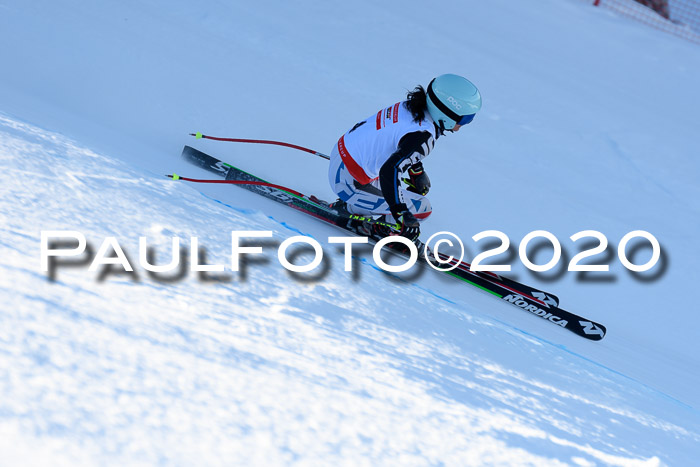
589 122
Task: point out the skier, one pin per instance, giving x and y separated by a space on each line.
369 161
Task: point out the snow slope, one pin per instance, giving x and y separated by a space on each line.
588 124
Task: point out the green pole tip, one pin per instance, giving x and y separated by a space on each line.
198 135
176 177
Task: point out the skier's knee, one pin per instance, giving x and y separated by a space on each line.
421 208
421 216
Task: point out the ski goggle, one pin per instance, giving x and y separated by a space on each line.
465 119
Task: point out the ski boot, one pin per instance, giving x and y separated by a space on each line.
380 229
340 206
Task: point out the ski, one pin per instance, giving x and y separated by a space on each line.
542 304
317 207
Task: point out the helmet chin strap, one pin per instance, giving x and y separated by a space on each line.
441 127
443 130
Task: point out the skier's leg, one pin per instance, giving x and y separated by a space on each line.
419 205
368 200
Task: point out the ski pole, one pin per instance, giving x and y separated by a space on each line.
199 135
354 217
238 182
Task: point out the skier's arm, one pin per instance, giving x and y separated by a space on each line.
412 148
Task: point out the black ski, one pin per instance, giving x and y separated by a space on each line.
537 302
317 207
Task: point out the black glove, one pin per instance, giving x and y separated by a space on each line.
417 181
409 226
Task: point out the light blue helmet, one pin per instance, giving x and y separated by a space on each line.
452 99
